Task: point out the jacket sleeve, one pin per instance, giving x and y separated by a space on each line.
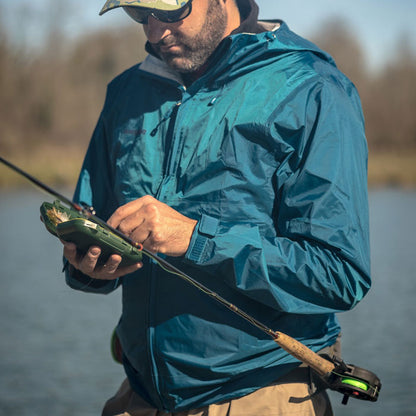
317 261
94 188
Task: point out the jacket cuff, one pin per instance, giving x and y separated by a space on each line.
203 233
80 281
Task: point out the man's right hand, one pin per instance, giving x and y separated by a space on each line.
87 264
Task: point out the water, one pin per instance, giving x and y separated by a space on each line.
54 344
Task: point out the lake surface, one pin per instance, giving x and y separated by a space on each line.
54 345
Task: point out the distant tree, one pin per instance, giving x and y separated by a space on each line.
51 97
388 96
336 38
55 98
393 108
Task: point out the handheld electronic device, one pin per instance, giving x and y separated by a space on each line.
69 225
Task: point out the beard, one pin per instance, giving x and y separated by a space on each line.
194 51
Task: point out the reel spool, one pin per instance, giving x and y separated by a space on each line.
353 381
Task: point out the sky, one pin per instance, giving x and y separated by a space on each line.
377 24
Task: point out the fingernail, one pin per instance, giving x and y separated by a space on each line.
95 251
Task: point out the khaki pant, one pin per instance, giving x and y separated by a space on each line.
294 394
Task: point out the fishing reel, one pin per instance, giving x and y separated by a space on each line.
353 381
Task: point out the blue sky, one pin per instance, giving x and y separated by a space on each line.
377 24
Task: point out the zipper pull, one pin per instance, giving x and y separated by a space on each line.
212 102
165 118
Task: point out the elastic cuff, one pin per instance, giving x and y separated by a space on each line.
79 280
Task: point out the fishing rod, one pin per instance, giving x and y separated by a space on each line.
348 379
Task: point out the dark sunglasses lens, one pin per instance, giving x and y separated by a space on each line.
174 15
140 16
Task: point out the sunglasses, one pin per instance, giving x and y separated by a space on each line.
166 16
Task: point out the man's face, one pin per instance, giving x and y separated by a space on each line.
186 45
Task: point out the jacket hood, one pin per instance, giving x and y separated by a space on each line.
245 52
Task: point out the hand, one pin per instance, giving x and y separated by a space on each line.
154 224
88 264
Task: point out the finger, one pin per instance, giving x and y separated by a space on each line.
154 242
88 263
144 224
70 252
140 233
109 271
111 264
124 211
134 221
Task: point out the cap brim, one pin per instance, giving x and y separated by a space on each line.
166 5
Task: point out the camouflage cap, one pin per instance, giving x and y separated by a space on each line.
149 4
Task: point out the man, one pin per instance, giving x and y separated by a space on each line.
237 149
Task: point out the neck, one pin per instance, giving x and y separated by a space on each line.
233 14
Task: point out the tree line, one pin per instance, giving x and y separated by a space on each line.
51 99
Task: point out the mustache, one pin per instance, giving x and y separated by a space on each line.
168 41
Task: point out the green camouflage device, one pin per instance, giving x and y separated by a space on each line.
69 225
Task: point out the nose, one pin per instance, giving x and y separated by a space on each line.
155 30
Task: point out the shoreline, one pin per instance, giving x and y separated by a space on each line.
385 169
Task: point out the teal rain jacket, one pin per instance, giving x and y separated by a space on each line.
267 151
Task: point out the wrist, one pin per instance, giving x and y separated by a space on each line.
204 230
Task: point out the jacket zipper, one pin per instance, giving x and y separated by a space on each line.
172 146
